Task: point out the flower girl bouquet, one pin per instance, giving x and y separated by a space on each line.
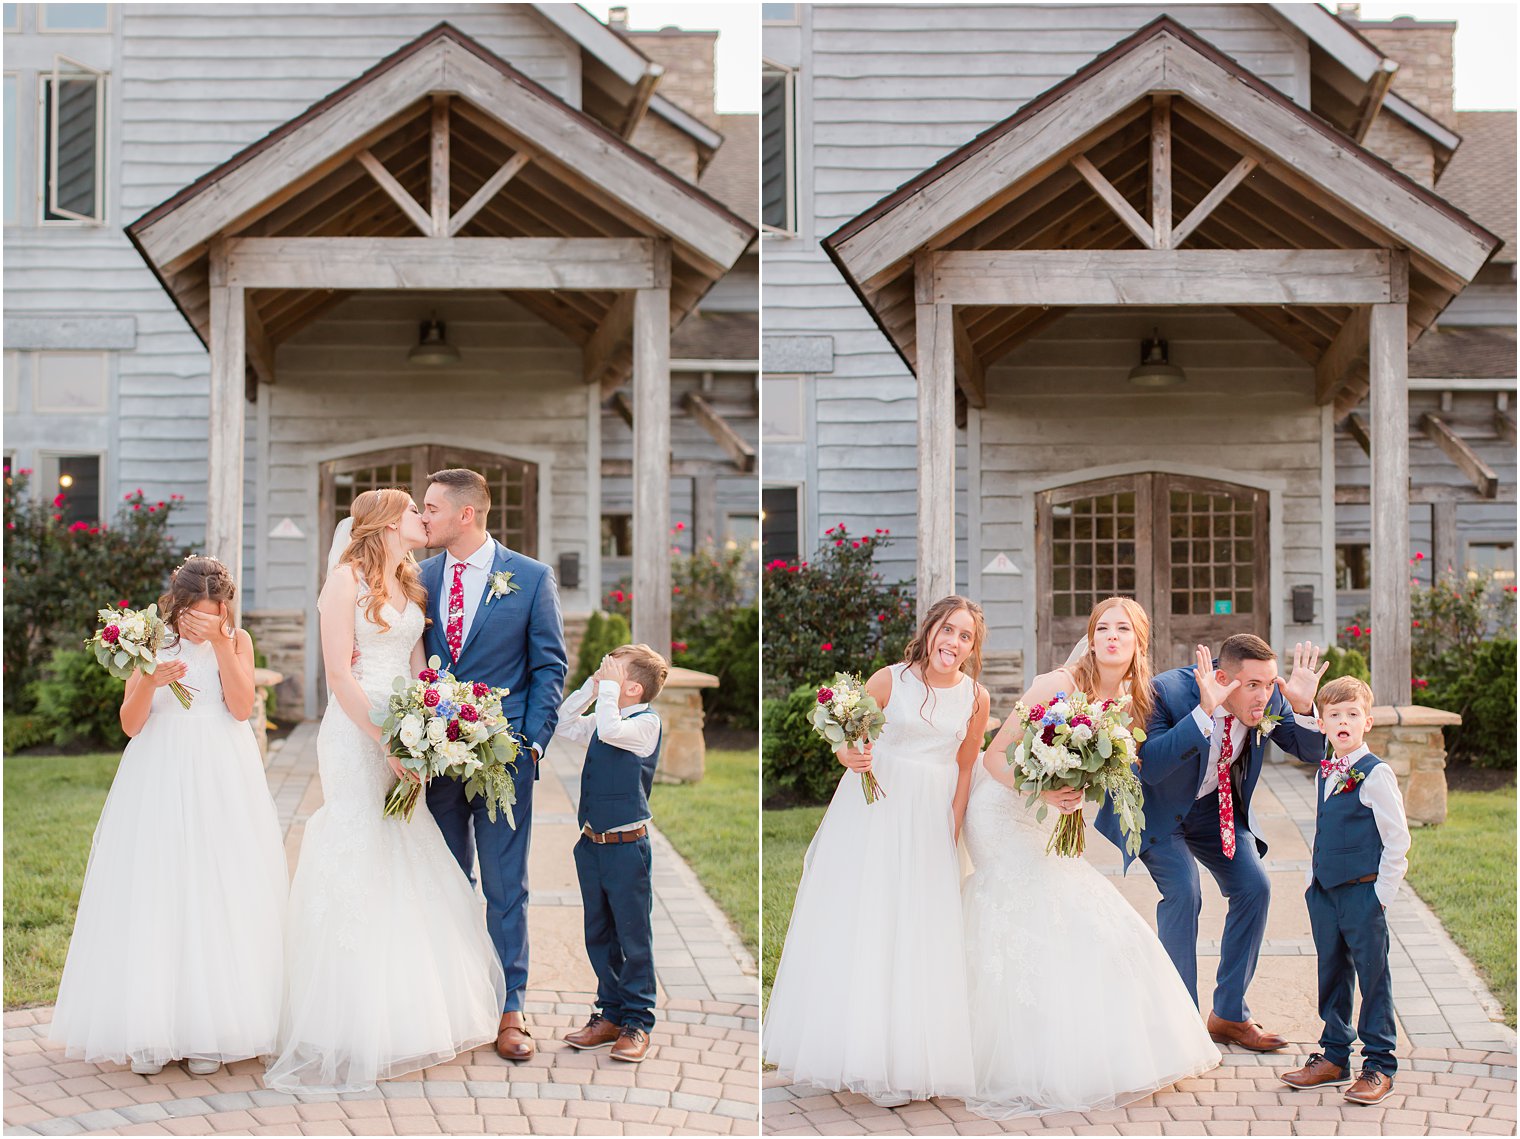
846 714
128 641
436 725
1074 743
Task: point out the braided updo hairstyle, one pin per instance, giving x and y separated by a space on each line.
200 578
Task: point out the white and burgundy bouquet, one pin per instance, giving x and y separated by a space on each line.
128 641
1074 743
846 714
436 725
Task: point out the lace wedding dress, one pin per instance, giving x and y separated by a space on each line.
176 947
1075 1006
870 994
389 967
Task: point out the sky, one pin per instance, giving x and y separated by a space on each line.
738 47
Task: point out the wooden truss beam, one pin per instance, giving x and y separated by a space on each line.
396 191
1504 425
615 331
1423 495
492 187
1345 361
438 166
742 454
1210 201
1356 427
1459 451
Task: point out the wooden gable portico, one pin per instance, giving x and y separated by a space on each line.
444 168
1164 174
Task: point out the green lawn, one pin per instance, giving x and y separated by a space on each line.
1465 871
786 835
51 806
712 824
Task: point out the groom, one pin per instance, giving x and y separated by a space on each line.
1199 766
496 619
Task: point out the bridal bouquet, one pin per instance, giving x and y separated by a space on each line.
847 714
128 641
1074 743
436 725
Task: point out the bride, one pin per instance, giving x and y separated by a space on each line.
388 964
1075 1006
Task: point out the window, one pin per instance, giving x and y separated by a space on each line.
782 419
73 143
71 383
781 523
12 384
12 136
1353 567
778 150
13 17
74 17
778 13
742 531
77 479
1495 557
617 535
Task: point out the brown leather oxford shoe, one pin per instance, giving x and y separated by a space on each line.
1246 1033
513 1040
1317 1072
632 1045
598 1032
1370 1087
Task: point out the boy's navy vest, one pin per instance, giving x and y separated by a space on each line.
615 783
1347 844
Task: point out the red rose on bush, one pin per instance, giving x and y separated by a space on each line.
430 698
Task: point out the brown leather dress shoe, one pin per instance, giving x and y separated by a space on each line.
598 1032
632 1045
1370 1087
1317 1072
513 1040
1246 1033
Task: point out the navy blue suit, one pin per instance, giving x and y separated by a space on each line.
1350 927
1182 830
516 641
617 893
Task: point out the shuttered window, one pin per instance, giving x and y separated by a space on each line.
778 150
73 143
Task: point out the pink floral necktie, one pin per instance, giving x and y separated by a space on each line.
455 629
1226 793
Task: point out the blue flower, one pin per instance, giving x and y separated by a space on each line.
447 709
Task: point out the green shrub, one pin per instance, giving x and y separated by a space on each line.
1346 662
22 731
730 650
832 613
1479 685
78 703
798 766
604 632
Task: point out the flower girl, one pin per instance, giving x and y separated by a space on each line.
870 995
177 950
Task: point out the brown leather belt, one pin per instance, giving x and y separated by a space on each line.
1359 881
615 837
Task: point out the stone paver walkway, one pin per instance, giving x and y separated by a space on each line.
702 1077
1456 1056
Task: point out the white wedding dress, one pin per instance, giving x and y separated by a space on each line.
1075 1006
388 963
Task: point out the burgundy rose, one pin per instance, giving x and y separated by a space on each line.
453 730
1049 734
468 714
481 690
430 698
1075 720
1037 713
110 634
428 675
825 695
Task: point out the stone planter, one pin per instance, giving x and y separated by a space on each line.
683 751
263 680
1409 740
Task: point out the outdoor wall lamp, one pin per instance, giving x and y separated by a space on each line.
432 349
1154 370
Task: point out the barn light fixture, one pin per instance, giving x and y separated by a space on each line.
1154 370
432 349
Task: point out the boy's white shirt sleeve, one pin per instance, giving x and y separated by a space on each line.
636 734
1380 794
572 725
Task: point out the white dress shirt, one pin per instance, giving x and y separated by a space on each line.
1212 729
1380 794
613 725
478 568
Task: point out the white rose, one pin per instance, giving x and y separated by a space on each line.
1118 732
437 731
411 730
477 731
1061 710
1081 733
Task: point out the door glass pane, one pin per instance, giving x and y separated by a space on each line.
1092 551
1214 573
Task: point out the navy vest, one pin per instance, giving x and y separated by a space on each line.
1347 844
615 783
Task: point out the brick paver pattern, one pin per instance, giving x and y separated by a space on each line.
702 1077
1456 1056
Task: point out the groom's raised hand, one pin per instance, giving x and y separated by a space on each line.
1211 693
1299 689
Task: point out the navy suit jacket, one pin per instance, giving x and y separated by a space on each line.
1174 760
516 641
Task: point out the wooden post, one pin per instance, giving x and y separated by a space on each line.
704 511
936 442
651 460
1445 556
438 166
1161 171
224 441
1388 357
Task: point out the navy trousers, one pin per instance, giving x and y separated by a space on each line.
1351 938
1173 865
618 899
503 865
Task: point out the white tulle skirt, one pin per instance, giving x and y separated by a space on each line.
870 994
176 950
1075 1006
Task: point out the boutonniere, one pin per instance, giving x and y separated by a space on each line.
501 585
1353 781
1269 720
